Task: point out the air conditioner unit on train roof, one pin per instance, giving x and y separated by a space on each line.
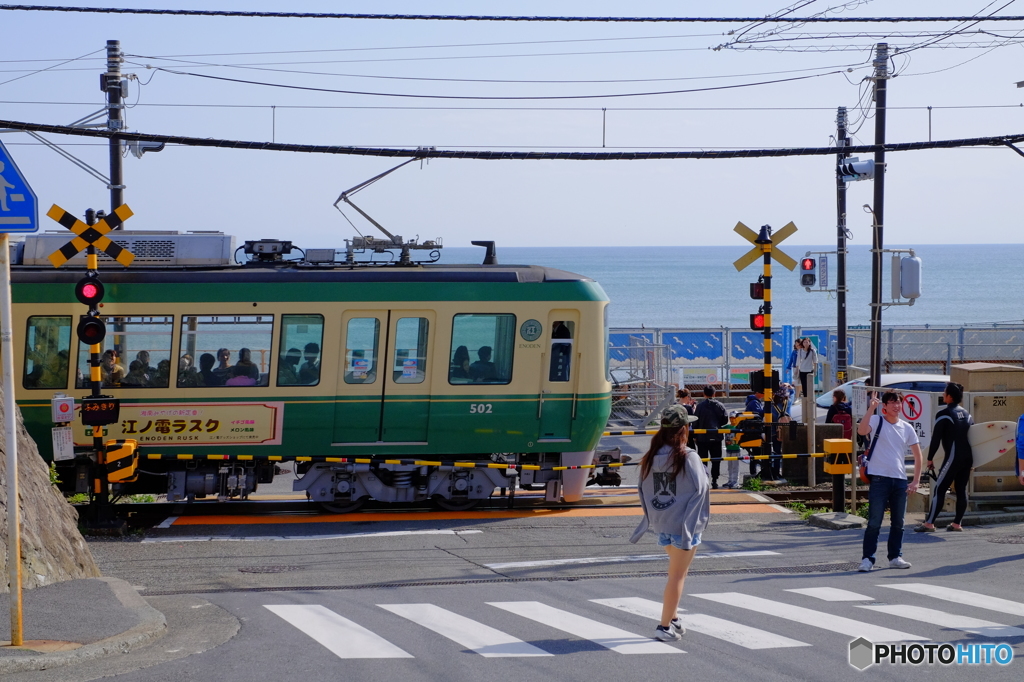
151 248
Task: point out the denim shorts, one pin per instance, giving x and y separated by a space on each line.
666 539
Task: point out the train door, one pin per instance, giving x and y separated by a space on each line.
357 412
559 377
407 377
383 390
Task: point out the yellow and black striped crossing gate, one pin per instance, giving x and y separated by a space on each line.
91 235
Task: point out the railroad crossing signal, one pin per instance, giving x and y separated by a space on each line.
94 235
756 252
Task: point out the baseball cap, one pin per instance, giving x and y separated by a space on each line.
676 416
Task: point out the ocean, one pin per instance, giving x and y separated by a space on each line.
698 286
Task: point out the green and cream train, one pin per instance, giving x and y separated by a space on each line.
396 383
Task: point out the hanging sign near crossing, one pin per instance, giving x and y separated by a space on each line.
91 234
18 208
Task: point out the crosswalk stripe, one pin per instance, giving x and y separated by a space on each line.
830 594
610 637
618 559
341 636
471 634
975 626
982 601
743 635
818 619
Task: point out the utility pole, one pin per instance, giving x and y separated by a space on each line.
110 82
838 480
841 358
881 64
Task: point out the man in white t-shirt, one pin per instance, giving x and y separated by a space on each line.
889 487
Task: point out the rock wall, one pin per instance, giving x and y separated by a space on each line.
52 549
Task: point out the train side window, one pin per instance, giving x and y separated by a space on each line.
136 353
232 350
301 335
482 346
361 339
562 334
47 350
410 350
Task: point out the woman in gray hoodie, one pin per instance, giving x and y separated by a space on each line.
676 501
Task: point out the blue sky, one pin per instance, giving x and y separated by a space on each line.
941 196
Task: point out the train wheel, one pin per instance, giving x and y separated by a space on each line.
340 508
452 505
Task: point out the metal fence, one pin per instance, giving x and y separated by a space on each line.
724 357
642 381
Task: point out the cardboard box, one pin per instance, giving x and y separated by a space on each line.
986 376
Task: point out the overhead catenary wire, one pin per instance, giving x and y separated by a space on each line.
492 17
421 153
496 97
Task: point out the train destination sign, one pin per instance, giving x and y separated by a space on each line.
18 208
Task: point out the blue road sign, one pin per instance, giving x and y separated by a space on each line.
18 206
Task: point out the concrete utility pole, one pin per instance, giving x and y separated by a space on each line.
110 82
841 358
881 64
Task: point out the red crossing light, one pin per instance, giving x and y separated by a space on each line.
91 330
89 291
757 322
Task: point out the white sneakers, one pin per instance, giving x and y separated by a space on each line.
898 562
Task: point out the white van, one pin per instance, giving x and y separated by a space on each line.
896 382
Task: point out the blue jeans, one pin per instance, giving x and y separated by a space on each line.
891 493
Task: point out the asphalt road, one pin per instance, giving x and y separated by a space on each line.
543 597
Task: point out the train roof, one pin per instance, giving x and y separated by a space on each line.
297 273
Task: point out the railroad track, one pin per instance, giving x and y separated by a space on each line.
142 515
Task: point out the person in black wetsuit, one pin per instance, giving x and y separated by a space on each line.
951 426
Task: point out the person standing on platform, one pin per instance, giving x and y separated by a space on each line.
807 365
780 406
711 414
791 363
755 404
674 495
684 398
951 426
890 437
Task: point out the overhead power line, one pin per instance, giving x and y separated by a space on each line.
480 97
486 17
422 153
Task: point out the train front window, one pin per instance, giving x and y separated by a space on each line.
482 347
226 350
301 338
136 353
361 338
410 350
47 350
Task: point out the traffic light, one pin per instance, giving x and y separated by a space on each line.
906 277
91 330
854 169
89 291
757 321
808 276
757 290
